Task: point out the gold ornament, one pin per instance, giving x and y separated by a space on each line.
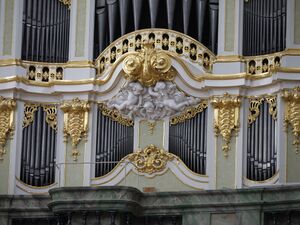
29 110
75 122
226 117
254 109
272 106
189 113
51 116
151 127
150 160
115 115
7 107
148 66
66 2
292 113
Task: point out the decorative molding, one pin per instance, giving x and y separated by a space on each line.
7 107
29 110
292 113
150 160
189 113
148 66
115 115
51 116
75 122
226 114
254 109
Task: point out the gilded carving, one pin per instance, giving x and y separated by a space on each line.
150 160
75 122
254 109
226 117
292 113
151 127
66 2
189 113
272 106
7 107
148 66
51 116
115 115
29 110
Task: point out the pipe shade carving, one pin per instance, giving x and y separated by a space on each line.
226 117
148 66
7 107
29 110
150 160
75 122
292 113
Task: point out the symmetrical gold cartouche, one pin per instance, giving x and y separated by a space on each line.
292 113
189 113
115 115
75 122
7 107
150 160
148 66
226 115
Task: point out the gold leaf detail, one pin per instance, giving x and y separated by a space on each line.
29 110
7 107
272 106
75 122
254 109
226 117
115 115
292 113
150 160
189 113
148 66
51 116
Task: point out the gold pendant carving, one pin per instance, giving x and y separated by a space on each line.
292 113
150 160
51 116
115 115
148 66
29 110
226 117
272 101
189 113
66 2
254 109
75 122
7 107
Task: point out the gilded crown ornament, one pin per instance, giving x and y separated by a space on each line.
150 160
7 107
75 122
292 113
226 117
148 66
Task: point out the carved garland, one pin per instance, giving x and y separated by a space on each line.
150 160
75 122
226 118
292 113
115 115
7 107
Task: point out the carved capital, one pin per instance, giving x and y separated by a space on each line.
150 160
7 107
148 66
226 117
292 113
75 122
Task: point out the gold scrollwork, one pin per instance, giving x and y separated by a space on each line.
148 66
66 2
115 115
150 160
254 109
189 113
292 113
272 101
75 122
51 116
29 110
7 107
226 117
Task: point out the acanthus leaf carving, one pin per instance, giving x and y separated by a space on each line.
7 107
29 111
75 122
292 113
51 116
254 109
226 117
